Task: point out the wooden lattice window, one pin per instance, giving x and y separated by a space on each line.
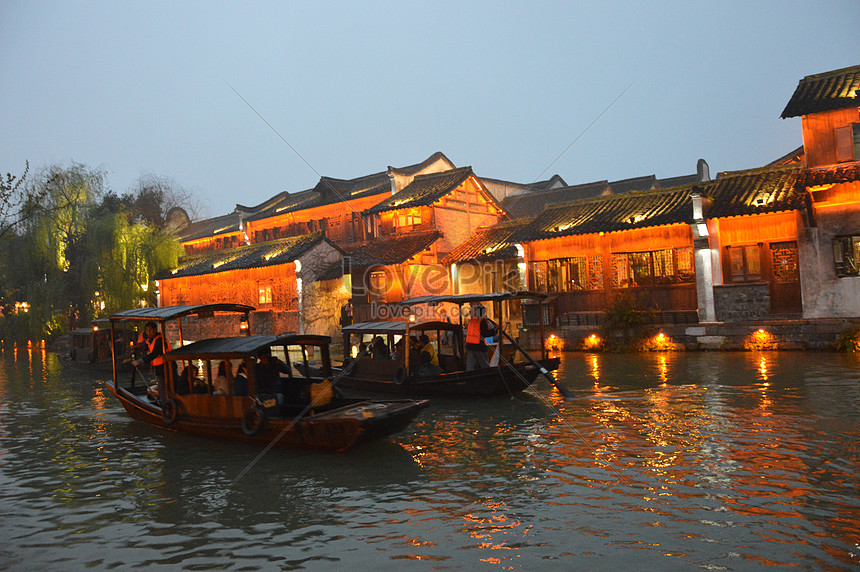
620 271
685 258
664 266
641 269
594 280
785 264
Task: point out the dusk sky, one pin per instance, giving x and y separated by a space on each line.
136 88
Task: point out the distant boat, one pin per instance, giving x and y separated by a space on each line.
91 348
258 399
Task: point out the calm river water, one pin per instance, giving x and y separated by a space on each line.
717 461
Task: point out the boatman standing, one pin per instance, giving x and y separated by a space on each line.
154 356
479 332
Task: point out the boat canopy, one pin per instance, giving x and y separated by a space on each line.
473 298
164 313
397 327
241 346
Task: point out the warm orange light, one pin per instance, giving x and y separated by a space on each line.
760 339
95 328
592 342
660 342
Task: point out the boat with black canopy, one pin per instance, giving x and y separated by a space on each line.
91 347
511 369
247 388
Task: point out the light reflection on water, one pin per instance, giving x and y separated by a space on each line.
669 461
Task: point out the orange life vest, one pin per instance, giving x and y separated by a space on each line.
473 332
150 346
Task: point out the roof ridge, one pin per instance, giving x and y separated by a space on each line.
831 73
619 197
756 171
420 165
447 173
641 177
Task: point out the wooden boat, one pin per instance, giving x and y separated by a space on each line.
506 374
258 402
91 347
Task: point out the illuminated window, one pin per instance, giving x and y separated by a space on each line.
686 264
265 294
846 256
664 266
568 274
620 271
378 286
408 219
744 263
640 269
784 261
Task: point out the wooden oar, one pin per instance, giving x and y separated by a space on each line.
546 373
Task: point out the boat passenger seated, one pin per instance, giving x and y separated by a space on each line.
185 380
429 348
414 353
398 352
380 350
221 385
427 368
240 382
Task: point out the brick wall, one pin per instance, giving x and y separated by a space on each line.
741 302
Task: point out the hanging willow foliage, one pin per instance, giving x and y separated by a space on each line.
85 253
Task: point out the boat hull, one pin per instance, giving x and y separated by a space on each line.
336 429
481 383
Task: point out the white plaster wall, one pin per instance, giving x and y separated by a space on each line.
825 295
437 166
321 301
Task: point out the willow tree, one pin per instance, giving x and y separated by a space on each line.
86 251
55 285
128 256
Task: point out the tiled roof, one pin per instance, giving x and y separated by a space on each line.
253 256
423 190
837 89
847 173
332 272
756 191
680 181
391 249
646 183
796 156
210 227
536 186
532 203
329 190
488 243
610 213
283 203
